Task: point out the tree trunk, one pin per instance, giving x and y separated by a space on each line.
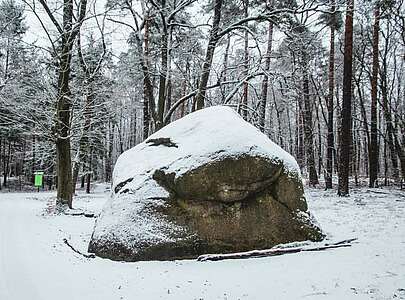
300 149
265 82
354 146
33 160
146 115
206 68
64 194
401 153
246 65
169 91
75 176
84 138
224 72
183 93
331 84
278 116
389 124
386 104
346 136
6 162
50 179
338 126
143 50
88 178
169 79
162 78
373 147
308 130
320 158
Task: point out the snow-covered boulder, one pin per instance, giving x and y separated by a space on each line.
209 182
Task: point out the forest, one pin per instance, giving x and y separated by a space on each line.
212 149
83 81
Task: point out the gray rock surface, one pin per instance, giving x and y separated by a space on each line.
207 183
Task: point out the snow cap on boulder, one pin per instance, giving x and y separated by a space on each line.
209 182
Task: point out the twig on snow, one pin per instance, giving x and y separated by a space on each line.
91 255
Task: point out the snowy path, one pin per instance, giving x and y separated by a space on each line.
29 270
14 251
36 265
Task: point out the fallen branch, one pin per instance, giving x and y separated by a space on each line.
91 255
79 212
273 252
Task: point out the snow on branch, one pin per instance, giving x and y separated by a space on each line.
274 251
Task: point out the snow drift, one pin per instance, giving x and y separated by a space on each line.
209 182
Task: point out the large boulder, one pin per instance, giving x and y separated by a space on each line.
209 182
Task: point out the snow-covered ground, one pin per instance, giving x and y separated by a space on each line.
35 263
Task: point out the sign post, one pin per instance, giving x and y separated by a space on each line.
38 179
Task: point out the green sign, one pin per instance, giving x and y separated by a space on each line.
38 178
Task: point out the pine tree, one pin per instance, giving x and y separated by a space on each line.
346 134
